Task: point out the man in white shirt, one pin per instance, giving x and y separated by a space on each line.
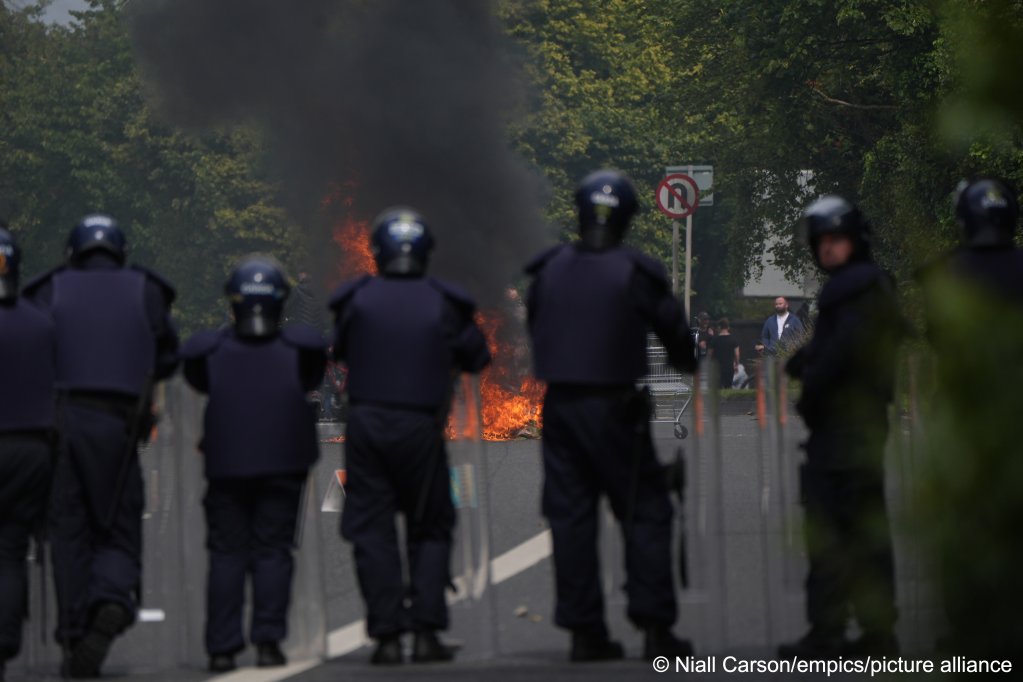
780 330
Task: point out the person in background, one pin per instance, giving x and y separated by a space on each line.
782 331
259 441
28 343
704 334
724 350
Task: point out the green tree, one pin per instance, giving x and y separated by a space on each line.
79 136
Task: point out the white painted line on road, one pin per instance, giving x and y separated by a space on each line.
353 636
518 559
347 639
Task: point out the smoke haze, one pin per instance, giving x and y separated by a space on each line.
406 99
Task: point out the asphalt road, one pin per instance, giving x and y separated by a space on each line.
745 563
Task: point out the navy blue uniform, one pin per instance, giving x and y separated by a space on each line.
114 337
259 441
403 338
589 315
848 374
974 306
27 401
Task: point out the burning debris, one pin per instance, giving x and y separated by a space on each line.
512 399
349 233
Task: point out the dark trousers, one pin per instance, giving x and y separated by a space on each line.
92 563
24 481
591 441
250 531
848 539
396 462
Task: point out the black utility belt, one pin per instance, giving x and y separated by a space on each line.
424 409
115 404
589 390
27 434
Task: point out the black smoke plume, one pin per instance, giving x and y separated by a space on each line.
408 99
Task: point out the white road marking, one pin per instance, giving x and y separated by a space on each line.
353 636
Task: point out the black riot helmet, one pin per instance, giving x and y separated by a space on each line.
96 232
10 265
832 214
606 202
257 288
401 243
987 211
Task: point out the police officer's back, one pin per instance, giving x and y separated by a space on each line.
404 336
259 441
27 421
847 372
974 309
114 340
590 307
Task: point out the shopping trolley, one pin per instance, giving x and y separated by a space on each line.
671 393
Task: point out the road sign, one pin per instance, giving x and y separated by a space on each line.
677 196
704 176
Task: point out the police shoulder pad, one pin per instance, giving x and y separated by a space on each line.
33 284
301 335
201 344
646 264
346 290
539 260
456 294
168 289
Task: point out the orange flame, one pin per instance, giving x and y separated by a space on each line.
357 258
350 234
512 400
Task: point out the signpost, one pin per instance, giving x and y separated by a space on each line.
678 196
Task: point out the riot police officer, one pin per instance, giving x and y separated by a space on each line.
114 340
403 335
974 308
589 309
259 442
27 402
847 372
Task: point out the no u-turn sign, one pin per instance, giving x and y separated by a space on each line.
678 196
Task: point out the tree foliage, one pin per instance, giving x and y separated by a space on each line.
78 137
882 101
888 102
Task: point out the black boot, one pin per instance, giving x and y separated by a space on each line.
873 644
269 655
815 644
388 651
87 657
222 663
427 648
590 646
660 641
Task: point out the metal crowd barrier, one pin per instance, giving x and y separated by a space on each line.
746 557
